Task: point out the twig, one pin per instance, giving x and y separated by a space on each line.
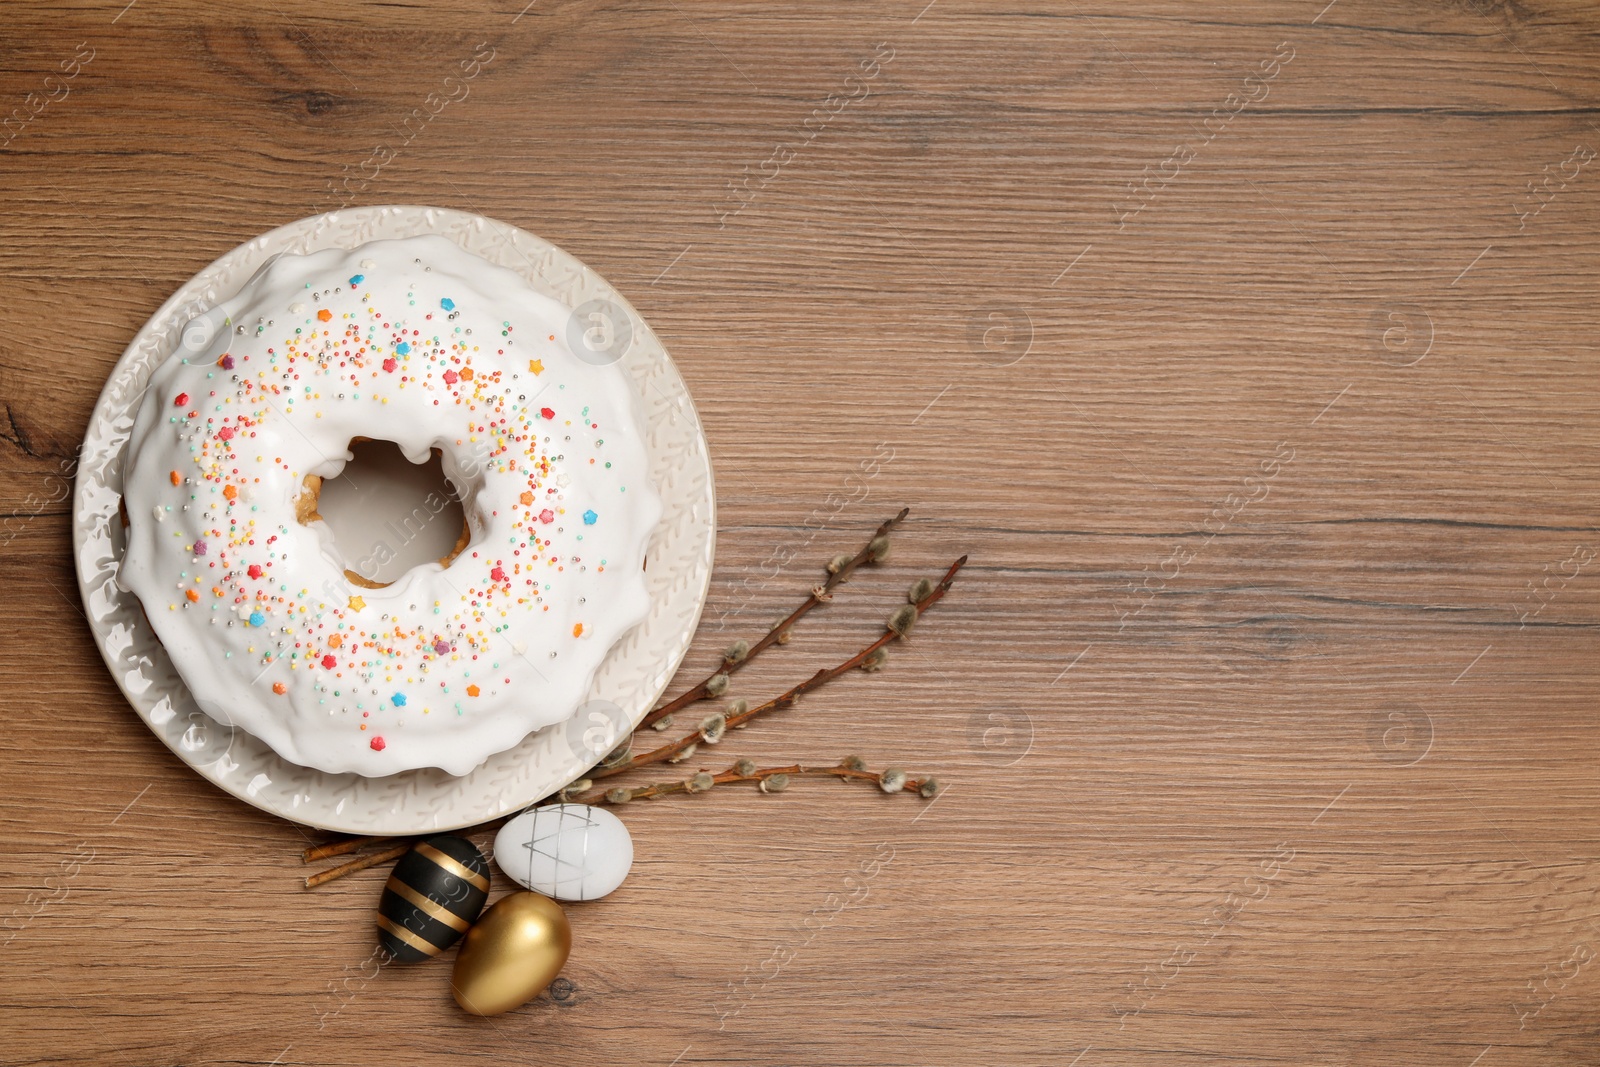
872 552
338 848
745 771
394 853
890 633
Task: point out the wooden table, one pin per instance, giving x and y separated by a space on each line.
1248 349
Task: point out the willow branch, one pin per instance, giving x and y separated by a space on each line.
372 860
889 781
339 848
872 552
891 632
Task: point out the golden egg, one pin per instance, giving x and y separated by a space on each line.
513 951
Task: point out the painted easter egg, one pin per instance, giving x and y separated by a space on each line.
434 894
511 954
565 851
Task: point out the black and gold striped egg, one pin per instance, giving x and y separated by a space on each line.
434 894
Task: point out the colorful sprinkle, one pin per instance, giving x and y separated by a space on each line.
447 304
357 279
180 400
257 619
589 517
398 700
377 744
324 315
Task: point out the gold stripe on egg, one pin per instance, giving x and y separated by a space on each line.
427 948
432 908
453 866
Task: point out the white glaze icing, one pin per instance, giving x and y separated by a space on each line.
429 347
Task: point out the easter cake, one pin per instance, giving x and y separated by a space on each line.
418 342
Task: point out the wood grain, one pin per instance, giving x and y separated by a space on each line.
1267 700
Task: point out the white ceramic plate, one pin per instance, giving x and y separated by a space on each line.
627 684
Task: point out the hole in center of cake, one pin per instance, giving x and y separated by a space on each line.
389 515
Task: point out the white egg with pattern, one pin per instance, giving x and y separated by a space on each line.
566 851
